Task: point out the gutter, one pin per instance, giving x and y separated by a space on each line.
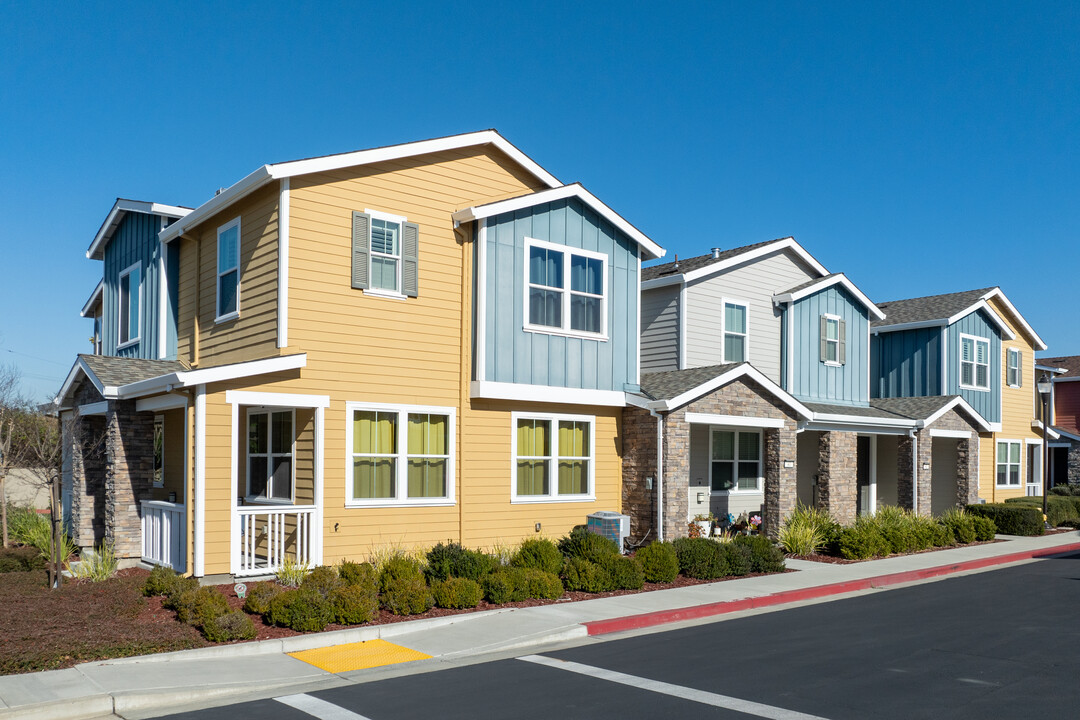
659 474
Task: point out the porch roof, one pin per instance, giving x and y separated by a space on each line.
117 371
855 411
673 383
671 389
912 412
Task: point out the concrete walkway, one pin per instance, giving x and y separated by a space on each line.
156 684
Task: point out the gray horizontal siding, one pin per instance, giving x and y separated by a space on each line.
660 329
906 363
814 380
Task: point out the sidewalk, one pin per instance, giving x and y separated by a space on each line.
157 683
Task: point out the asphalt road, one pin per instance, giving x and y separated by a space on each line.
1001 644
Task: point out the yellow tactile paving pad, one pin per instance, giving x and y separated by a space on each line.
358 656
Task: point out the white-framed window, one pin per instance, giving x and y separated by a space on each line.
228 271
553 457
399 455
736 330
565 290
735 461
831 339
271 442
130 295
159 451
974 362
1008 463
1014 364
385 251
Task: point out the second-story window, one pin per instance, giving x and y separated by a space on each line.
228 270
1015 375
974 363
735 331
386 254
833 340
130 305
566 289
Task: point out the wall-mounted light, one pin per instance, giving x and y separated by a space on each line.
648 483
789 463
926 466
700 497
537 527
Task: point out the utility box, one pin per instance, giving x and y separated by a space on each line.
611 525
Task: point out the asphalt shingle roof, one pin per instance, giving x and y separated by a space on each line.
695 263
673 383
807 284
1070 362
932 307
854 411
117 371
916 408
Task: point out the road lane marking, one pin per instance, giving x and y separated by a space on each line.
318 708
686 693
973 681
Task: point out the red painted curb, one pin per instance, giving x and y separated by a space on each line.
661 617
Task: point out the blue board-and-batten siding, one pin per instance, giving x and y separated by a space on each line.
513 355
986 402
906 363
813 380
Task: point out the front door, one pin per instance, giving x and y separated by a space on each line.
1034 470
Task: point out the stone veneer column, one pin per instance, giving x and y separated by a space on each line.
129 470
780 482
967 471
1074 463
903 472
676 475
87 480
837 475
639 463
925 470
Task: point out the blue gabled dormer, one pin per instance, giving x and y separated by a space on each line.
134 308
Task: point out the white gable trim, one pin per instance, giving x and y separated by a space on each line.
743 370
824 283
957 402
221 373
1038 341
93 301
119 209
787 243
995 319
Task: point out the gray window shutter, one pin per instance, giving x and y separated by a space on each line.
842 352
1019 369
410 259
361 250
824 349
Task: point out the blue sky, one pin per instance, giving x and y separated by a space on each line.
920 148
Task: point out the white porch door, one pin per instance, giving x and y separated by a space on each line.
1034 470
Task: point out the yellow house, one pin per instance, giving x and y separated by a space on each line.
399 346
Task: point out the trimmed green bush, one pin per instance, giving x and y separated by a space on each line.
1012 518
538 584
456 592
399 567
407 595
581 543
322 579
959 524
353 573
701 558
197 607
20 559
500 586
539 553
862 541
625 572
985 529
259 597
585 576
447 560
737 558
659 562
1066 490
1059 510
354 604
233 625
765 557
165 581
302 609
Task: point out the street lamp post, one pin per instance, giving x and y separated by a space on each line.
1044 385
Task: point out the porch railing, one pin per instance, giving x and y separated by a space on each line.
164 540
269 535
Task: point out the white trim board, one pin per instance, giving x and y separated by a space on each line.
957 434
97 408
545 394
277 400
283 266
739 371
120 208
733 420
170 401
827 282
93 301
787 243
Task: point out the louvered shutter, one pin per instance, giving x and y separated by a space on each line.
823 351
842 352
1019 369
361 250
410 259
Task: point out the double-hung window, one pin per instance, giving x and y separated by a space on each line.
1008 463
130 305
400 454
735 331
553 457
385 254
566 289
228 270
270 455
735 461
1014 368
974 363
833 340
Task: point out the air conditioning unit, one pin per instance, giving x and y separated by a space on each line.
611 525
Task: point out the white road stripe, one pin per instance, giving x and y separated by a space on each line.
318 708
679 691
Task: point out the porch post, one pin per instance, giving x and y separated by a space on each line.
781 482
234 517
837 475
317 529
199 534
676 475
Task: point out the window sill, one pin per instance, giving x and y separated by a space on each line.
130 343
385 294
540 329
226 318
541 499
389 503
831 363
265 501
974 388
725 493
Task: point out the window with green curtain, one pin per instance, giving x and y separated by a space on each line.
428 453
574 457
374 454
533 456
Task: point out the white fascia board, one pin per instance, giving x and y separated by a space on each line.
733 420
855 427
915 325
98 408
80 366
862 420
169 401
1038 341
116 214
743 370
1066 434
840 279
963 405
954 434
545 394
226 197
290 400
1050 432
663 281
221 373
994 318
93 301
635 400
787 243
576 190
1054 370
1067 379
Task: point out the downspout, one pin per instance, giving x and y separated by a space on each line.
914 471
659 474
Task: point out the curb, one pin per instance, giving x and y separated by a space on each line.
696 612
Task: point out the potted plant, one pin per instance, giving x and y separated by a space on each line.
701 525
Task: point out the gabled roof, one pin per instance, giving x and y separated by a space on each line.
269 173
812 286
671 389
121 208
704 265
575 190
93 301
940 311
913 412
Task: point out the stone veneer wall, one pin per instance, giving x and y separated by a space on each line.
129 471
638 463
838 475
86 436
967 460
1074 462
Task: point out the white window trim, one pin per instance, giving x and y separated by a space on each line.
400 220
1019 465
838 319
565 330
553 467
760 461
975 364
745 305
401 485
1019 354
135 321
160 418
235 222
269 500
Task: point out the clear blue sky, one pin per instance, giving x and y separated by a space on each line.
918 148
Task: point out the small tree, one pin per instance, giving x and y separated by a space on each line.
9 407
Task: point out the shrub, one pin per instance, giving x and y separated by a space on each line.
259 596
659 562
585 576
292 573
799 539
861 541
539 553
959 524
737 558
399 567
808 527
354 604
452 560
984 527
500 586
701 558
234 625
352 573
407 596
625 572
97 566
197 607
179 585
1012 519
456 592
1066 490
1059 510
538 584
900 529
301 609
20 559
322 579
765 557
581 543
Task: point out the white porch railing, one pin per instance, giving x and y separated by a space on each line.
270 534
164 540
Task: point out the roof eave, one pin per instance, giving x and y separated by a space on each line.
96 251
93 301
